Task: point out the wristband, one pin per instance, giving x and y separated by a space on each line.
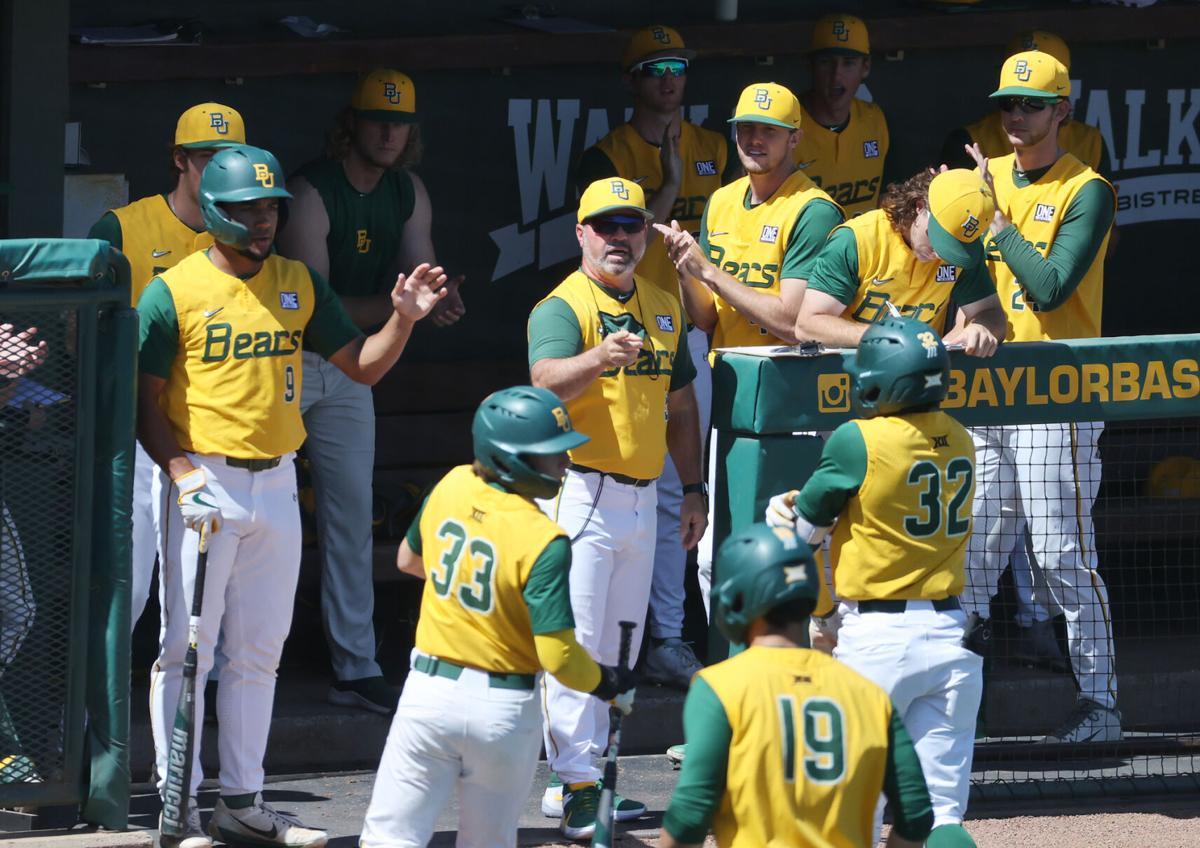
696 488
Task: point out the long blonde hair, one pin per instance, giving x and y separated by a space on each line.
341 136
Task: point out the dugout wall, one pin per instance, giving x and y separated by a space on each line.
768 403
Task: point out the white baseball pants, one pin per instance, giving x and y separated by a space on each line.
935 683
612 528
145 534
249 591
1046 475
450 735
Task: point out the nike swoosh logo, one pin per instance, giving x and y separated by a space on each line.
157 253
712 234
208 313
267 834
879 282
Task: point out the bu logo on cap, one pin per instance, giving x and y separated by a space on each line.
840 32
217 121
970 226
660 35
620 189
391 93
264 176
1022 71
763 98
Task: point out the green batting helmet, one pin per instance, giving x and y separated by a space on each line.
758 569
512 424
234 175
901 364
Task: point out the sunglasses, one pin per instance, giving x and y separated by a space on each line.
1027 105
661 67
609 226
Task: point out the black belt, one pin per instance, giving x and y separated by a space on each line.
436 667
624 479
941 605
254 464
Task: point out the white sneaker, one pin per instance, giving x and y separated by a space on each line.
262 824
552 798
1088 722
193 835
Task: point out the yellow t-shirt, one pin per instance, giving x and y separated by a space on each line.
153 239
624 411
750 243
847 164
479 545
1081 140
1037 210
703 154
808 753
903 534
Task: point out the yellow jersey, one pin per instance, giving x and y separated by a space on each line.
479 544
751 243
903 533
624 410
229 350
1036 211
704 155
1081 140
808 752
847 164
152 238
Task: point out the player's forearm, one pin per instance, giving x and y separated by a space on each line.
698 303
765 310
829 330
378 352
158 439
993 319
368 311
683 434
561 655
568 377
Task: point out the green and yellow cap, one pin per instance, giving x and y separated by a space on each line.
767 103
613 194
654 42
385 95
1033 73
960 209
210 125
842 34
1043 42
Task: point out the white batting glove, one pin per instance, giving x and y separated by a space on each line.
823 632
624 702
197 502
781 510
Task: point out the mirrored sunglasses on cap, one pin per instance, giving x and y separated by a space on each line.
609 224
661 67
1027 105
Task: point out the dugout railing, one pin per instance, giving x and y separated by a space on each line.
771 405
66 466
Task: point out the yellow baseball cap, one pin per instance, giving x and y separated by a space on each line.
208 125
1042 41
654 42
767 103
385 95
842 34
960 209
613 194
1033 74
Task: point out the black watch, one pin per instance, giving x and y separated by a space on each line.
700 488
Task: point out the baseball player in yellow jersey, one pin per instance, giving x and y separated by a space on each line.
614 348
844 143
1046 245
743 279
678 165
911 257
785 745
155 233
218 410
898 483
496 610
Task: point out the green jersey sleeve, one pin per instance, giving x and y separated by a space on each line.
904 785
839 474
702 780
330 328
158 334
554 331
974 285
548 592
594 164
817 219
109 229
1050 281
413 536
683 370
703 240
836 269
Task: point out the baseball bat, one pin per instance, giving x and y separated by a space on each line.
177 788
602 837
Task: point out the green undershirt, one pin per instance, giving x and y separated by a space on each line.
840 473
702 781
837 274
109 229
816 219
